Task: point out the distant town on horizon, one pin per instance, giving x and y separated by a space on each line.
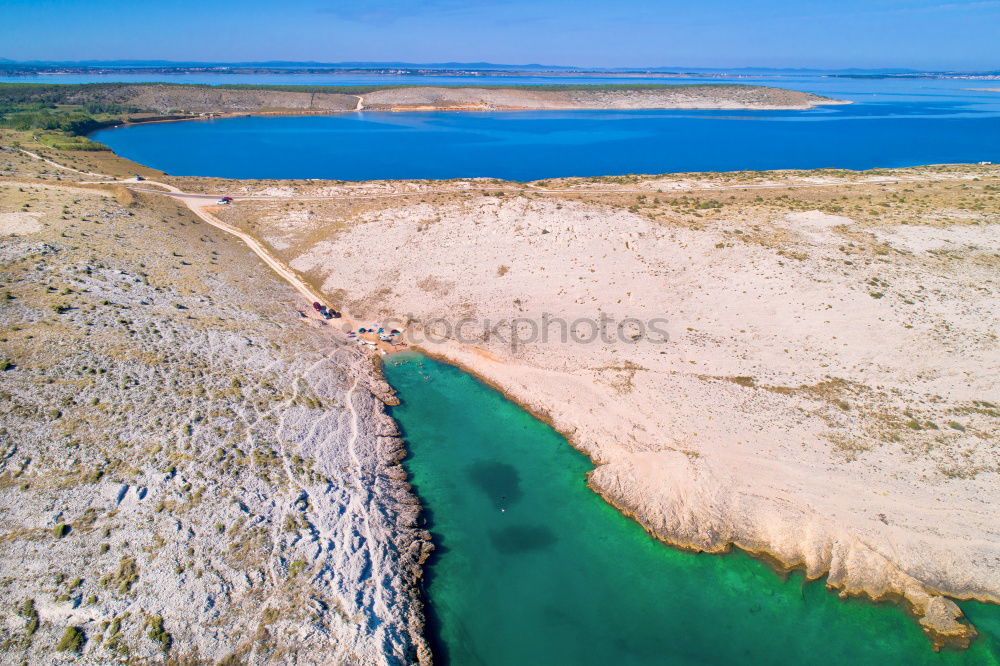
11 66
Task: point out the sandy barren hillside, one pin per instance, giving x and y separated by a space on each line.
828 394
189 470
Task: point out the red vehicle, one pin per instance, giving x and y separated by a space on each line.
328 313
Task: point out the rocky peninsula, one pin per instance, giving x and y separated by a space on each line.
824 395
825 392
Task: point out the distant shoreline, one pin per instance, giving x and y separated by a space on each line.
477 69
169 101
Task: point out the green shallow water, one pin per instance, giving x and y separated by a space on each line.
560 577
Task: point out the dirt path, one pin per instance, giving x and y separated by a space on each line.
62 166
197 206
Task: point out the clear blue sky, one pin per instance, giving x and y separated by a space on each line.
922 34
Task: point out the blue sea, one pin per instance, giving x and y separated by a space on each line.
890 123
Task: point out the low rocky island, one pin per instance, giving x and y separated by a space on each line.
175 99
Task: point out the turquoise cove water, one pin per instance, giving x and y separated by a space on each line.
532 567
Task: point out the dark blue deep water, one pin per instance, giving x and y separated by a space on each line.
894 131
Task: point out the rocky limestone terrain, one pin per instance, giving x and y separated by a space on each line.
191 471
